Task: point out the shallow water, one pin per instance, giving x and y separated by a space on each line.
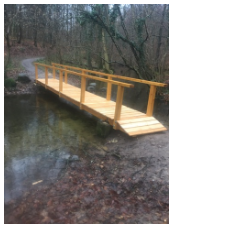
41 135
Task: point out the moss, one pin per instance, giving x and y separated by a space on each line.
10 83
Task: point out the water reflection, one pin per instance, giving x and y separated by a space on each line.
40 136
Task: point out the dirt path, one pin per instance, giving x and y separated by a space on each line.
30 68
26 88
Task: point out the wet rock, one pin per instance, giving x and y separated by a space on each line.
60 164
103 129
91 89
74 158
94 84
103 89
23 78
53 174
65 156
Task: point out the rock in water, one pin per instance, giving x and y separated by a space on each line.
103 89
24 78
103 129
94 84
91 89
74 158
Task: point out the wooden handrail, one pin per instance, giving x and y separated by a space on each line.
151 97
114 76
127 85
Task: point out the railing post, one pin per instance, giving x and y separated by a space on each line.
65 75
60 81
109 89
36 71
150 105
53 72
83 87
46 77
119 101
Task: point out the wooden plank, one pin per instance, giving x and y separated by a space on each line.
71 99
128 115
98 98
150 105
132 117
97 114
72 93
139 119
143 132
119 100
100 104
139 124
110 111
109 89
126 110
152 127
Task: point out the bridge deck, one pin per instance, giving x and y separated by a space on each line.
131 121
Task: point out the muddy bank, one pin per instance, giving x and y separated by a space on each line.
126 181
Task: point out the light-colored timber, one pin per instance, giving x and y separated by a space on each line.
121 117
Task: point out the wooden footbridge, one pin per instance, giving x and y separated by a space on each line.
121 117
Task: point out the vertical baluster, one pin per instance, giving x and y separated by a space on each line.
119 101
83 87
53 72
109 89
60 81
46 77
150 105
65 75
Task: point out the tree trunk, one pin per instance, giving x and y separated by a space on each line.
35 38
99 48
19 35
8 39
159 38
88 44
35 29
106 59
